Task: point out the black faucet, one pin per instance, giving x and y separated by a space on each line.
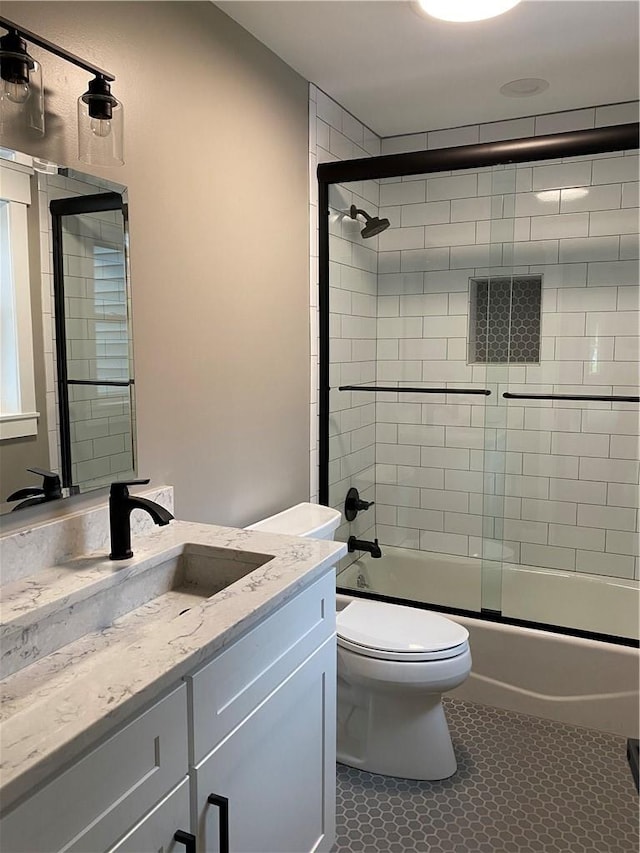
373 548
121 503
50 490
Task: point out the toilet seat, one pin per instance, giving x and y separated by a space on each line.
384 631
408 657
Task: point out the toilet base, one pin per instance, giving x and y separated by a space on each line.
402 735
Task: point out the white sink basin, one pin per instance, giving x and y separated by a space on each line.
88 595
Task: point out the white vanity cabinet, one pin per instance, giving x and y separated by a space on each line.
92 804
254 726
274 771
264 733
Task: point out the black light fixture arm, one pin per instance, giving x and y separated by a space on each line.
49 46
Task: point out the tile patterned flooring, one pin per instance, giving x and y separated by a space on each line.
524 785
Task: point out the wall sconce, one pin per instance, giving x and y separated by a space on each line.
21 92
100 125
100 115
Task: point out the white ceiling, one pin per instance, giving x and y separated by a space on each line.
399 72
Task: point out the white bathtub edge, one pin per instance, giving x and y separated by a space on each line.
559 677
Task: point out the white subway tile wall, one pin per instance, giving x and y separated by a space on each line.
336 135
549 484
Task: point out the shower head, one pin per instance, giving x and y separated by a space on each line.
373 224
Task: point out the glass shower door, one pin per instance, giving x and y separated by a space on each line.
407 405
489 331
568 395
521 280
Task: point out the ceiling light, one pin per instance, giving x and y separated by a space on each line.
466 10
525 87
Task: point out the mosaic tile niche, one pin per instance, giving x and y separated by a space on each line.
504 320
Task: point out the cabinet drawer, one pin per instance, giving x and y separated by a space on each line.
228 688
90 806
155 833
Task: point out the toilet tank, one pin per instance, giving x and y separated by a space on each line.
312 521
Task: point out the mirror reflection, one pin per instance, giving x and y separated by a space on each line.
67 415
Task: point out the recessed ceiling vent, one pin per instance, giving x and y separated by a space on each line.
525 87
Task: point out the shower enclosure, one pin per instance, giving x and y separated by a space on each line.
479 377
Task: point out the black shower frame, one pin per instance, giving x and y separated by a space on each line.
622 137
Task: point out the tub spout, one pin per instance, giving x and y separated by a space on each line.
373 548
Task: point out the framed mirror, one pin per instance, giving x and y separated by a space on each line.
67 410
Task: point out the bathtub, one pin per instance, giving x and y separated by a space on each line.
574 680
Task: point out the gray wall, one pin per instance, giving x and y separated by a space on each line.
216 165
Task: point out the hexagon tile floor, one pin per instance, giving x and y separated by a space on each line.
523 785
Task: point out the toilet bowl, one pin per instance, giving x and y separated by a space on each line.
394 664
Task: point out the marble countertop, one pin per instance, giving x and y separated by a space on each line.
52 710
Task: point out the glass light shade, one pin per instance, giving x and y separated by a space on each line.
466 10
22 102
100 140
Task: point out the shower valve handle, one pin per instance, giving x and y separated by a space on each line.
354 504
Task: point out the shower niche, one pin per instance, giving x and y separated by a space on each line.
478 378
504 319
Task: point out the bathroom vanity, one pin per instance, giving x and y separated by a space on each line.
182 699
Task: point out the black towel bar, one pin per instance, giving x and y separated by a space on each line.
615 398
484 391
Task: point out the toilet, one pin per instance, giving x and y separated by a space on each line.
394 664
313 521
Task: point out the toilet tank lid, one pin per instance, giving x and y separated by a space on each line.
396 628
303 519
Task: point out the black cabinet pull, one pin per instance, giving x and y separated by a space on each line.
187 839
223 804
